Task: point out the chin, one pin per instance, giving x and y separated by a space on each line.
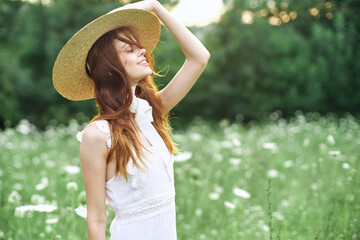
148 73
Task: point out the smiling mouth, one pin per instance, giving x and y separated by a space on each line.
143 63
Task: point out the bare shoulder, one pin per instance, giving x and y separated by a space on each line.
93 140
92 134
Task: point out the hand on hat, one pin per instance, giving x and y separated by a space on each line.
147 5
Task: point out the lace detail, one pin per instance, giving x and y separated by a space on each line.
154 206
79 136
103 126
140 181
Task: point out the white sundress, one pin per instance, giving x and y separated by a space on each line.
144 206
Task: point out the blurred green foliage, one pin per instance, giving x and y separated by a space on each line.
310 63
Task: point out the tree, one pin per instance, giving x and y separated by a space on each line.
292 63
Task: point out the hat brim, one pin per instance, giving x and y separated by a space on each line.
69 75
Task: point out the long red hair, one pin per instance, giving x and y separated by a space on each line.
113 96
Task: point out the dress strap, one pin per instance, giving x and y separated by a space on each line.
103 126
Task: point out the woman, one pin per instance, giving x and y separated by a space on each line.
126 150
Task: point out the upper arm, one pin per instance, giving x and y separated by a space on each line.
182 82
93 154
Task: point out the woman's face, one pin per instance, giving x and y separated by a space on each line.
133 60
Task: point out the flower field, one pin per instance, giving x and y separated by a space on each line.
281 179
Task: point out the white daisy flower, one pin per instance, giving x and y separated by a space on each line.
37 199
269 145
345 165
214 196
44 208
20 211
43 184
241 193
272 173
24 127
229 205
331 139
265 228
14 197
52 220
72 169
81 211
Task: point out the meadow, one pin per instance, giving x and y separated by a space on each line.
278 179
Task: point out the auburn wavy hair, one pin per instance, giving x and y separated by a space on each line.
113 97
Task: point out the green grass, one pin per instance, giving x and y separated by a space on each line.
301 174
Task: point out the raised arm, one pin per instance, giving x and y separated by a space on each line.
196 54
93 155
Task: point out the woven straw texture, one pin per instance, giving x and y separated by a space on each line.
69 75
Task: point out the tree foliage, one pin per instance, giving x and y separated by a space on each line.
308 62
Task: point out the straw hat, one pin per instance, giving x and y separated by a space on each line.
69 75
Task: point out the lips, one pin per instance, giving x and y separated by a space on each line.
143 62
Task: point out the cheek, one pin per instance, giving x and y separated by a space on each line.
123 60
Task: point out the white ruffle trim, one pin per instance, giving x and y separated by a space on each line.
103 126
140 180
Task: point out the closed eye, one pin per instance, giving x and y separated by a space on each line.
132 48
